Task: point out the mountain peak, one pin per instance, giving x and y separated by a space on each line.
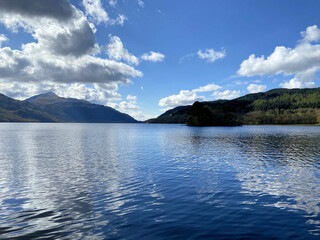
49 94
47 97
52 98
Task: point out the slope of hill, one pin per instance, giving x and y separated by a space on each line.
12 110
277 106
175 115
75 110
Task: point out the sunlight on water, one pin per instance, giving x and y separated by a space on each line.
140 181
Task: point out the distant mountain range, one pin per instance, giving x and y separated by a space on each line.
277 106
49 107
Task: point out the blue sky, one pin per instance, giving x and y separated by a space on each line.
146 56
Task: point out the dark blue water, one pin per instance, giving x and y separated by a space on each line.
140 181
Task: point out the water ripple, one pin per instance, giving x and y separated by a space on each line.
139 181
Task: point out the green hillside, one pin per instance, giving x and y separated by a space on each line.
277 106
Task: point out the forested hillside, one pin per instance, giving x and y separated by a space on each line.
277 106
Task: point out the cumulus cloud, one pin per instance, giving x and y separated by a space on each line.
35 64
303 61
78 41
95 93
255 88
227 94
116 50
302 79
53 32
130 104
186 97
282 60
211 55
61 56
3 38
153 57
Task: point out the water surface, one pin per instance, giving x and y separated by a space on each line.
141 181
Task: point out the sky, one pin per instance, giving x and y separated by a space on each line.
143 57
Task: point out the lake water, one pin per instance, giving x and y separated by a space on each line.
143 181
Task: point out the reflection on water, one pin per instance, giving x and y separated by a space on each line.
138 181
285 165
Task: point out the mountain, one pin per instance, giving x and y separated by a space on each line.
49 107
12 110
75 110
277 106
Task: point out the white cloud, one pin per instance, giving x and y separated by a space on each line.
208 88
282 60
61 56
94 93
94 9
312 34
211 55
255 88
303 61
116 51
302 80
36 65
125 106
3 38
153 57
54 32
186 97
227 94
141 3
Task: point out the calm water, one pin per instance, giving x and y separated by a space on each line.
140 181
